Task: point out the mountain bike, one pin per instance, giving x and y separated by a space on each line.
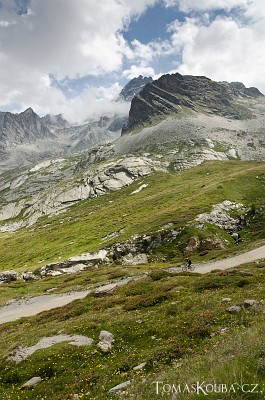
186 267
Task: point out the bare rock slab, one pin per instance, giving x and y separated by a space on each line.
31 383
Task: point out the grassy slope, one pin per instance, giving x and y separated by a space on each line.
173 322
171 197
178 324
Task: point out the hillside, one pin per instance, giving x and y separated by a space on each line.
166 198
172 322
110 225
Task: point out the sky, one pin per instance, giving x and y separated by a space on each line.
74 57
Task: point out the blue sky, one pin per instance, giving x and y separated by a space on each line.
152 25
74 56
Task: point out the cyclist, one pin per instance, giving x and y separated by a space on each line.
188 262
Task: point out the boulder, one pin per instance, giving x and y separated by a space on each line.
106 289
136 259
29 276
119 387
92 257
250 303
226 299
106 340
105 347
9 276
106 336
234 309
32 382
139 367
193 245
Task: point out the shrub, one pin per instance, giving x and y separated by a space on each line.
262 351
137 288
117 274
212 282
10 376
261 367
158 274
108 302
165 354
242 282
145 300
199 332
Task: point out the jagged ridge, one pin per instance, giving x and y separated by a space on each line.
172 93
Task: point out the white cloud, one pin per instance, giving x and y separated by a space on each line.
189 5
61 38
223 50
136 70
93 103
70 39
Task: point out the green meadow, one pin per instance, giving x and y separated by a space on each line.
175 323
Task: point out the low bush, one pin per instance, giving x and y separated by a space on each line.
145 300
158 274
165 354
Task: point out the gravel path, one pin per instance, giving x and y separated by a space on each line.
26 308
35 305
249 256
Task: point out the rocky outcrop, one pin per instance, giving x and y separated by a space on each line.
23 128
121 387
175 92
22 353
221 217
246 305
133 87
106 340
33 382
8 276
107 178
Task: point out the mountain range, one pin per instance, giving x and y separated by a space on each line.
174 122
26 138
105 213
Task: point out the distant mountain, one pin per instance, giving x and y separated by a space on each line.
171 94
175 123
55 121
23 128
133 87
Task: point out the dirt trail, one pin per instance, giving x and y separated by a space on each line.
35 305
26 308
249 256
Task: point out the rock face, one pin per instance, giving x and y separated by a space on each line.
8 276
55 121
133 87
107 178
172 93
23 128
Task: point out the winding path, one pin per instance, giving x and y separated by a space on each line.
249 256
25 308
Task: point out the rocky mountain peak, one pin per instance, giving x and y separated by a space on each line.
133 87
28 111
174 93
55 121
22 128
